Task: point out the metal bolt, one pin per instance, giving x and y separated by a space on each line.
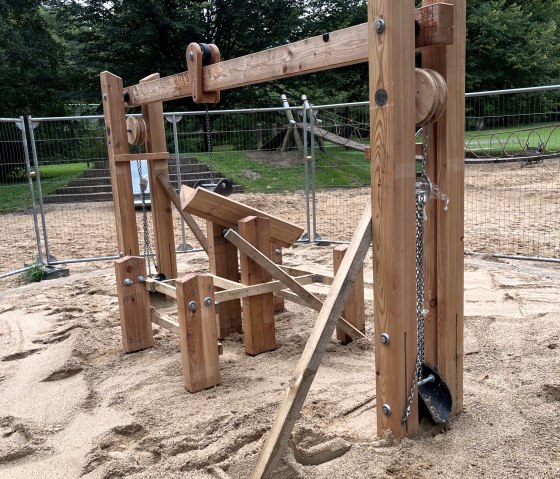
277 251
192 305
386 409
381 97
385 339
128 282
191 56
208 301
379 25
141 279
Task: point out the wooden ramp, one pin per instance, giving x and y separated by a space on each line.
333 138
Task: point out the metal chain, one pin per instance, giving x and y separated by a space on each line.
148 254
423 185
209 140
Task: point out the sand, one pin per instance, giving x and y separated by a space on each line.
72 404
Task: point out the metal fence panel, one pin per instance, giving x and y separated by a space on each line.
19 240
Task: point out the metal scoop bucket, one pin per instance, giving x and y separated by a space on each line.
222 186
435 397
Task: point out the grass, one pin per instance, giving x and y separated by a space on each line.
17 196
34 274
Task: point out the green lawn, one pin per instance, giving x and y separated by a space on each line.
17 196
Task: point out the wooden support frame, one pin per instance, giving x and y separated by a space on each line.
134 304
258 311
197 329
344 47
393 172
223 260
354 310
276 256
444 245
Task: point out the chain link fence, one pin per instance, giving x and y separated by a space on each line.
305 164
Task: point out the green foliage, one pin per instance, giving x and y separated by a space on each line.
33 274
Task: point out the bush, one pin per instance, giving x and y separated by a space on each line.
12 161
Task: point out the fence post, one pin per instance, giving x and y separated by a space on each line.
307 235
32 125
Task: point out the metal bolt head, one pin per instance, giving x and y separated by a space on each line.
379 25
128 282
141 279
384 338
192 305
386 409
277 251
208 301
381 97
191 56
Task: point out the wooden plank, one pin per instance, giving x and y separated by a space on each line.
344 47
222 256
310 300
315 348
121 177
197 330
163 180
333 138
292 129
227 212
127 158
449 133
134 304
392 77
258 311
276 256
354 309
160 287
162 214
246 291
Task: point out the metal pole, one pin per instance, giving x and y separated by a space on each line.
307 235
174 120
313 166
39 189
31 189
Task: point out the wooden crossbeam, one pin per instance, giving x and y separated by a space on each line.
315 348
227 212
344 47
128 157
310 299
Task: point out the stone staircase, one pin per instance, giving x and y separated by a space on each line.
94 184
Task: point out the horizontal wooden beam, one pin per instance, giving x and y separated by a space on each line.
340 48
246 291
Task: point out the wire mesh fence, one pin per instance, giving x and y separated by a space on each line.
305 164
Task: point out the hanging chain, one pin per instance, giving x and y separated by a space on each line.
423 187
148 254
209 140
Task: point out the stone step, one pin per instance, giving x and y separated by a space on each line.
79 190
96 173
78 198
99 181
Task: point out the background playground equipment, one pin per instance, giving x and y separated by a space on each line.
390 50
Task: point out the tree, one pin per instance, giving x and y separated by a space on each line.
29 61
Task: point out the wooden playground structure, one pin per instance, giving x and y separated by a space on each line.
250 287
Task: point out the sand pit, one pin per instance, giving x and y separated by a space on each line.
72 404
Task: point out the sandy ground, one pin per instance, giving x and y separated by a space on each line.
72 404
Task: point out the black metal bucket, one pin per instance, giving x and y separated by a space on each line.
435 398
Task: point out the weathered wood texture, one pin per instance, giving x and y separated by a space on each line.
163 180
344 47
317 343
162 215
222 256
258 311
121 178
354 309
227 212
197 331
448 247
134 304
276 256
194 65
391 68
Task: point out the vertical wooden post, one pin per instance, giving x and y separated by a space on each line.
197 330
162 214
392 113
121 178
354 309
276 256
223 262
258 311
134 304
448 247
